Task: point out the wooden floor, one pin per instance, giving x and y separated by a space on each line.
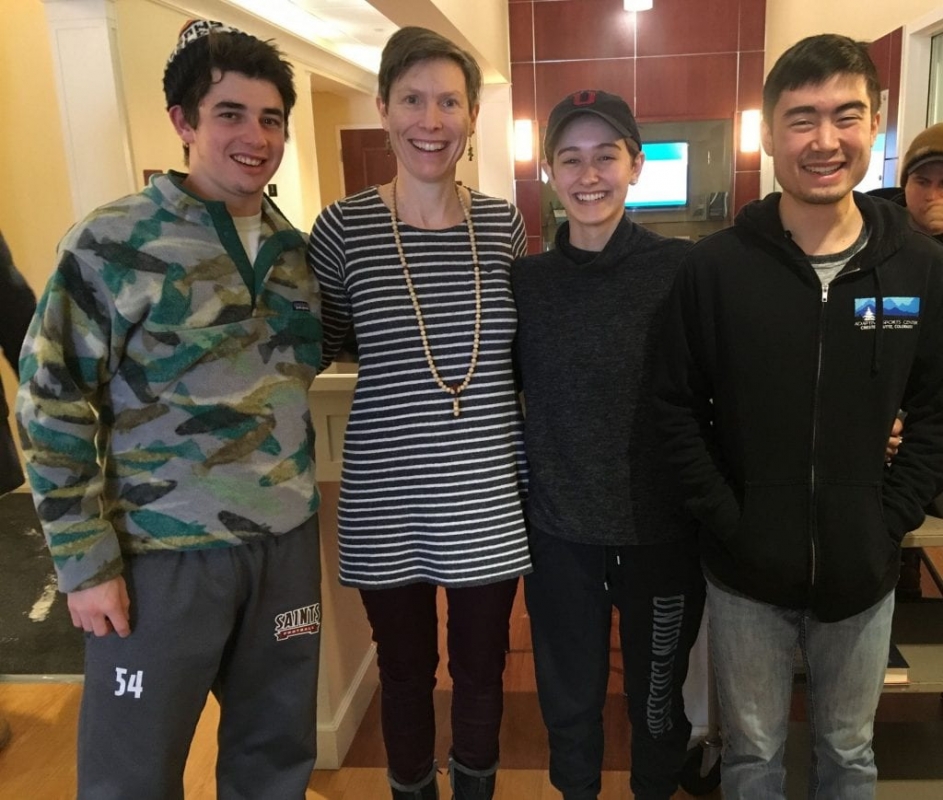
39 762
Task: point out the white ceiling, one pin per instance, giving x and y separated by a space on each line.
352 30
340 41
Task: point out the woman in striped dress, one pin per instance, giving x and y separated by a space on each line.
433 455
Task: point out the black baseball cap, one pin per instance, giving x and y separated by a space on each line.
609 107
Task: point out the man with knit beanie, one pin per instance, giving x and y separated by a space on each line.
922 180
164 408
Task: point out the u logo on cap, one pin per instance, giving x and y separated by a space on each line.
586 98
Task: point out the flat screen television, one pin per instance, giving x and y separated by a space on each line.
663 183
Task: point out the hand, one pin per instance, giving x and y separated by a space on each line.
102 609
894 442
929 216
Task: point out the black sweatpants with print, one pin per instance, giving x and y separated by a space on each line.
659 593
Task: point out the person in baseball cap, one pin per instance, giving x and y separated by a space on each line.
602 127
613 536
922 179
608 107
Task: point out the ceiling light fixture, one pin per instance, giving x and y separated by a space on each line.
637 5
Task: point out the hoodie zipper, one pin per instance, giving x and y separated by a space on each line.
813 527
815 435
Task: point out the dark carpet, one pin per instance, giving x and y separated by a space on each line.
36 632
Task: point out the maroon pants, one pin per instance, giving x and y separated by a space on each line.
405 629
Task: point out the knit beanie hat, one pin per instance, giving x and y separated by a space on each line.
927 146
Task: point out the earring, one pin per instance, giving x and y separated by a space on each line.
389 145
471 152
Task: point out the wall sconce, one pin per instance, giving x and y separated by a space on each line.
523 140
637 5
750 131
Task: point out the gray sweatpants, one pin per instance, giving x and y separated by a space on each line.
242 622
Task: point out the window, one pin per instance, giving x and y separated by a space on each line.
935 100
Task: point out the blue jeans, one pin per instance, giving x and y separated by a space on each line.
753 645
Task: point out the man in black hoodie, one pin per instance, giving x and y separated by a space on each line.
792 340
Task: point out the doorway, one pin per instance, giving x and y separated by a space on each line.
366 159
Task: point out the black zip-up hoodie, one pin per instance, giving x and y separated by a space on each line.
776 396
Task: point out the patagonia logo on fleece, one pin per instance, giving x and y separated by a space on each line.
300 305
300 621
900 313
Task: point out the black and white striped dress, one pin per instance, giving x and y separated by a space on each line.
425 496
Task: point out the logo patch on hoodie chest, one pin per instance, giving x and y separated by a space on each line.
900 313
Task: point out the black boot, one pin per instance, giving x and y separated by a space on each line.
471 784
426 789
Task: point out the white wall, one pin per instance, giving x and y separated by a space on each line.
788 21
146 34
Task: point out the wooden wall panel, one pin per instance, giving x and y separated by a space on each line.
750 81
880 50
886 54
521 25
557 79
680 27
527 197
696 87
752 25
523 99
580 29
746 188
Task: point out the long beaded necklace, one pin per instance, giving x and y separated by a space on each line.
455 389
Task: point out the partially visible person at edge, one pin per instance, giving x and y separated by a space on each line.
605 531
164 407
17 304
921 182
792 340
921 191
433 456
